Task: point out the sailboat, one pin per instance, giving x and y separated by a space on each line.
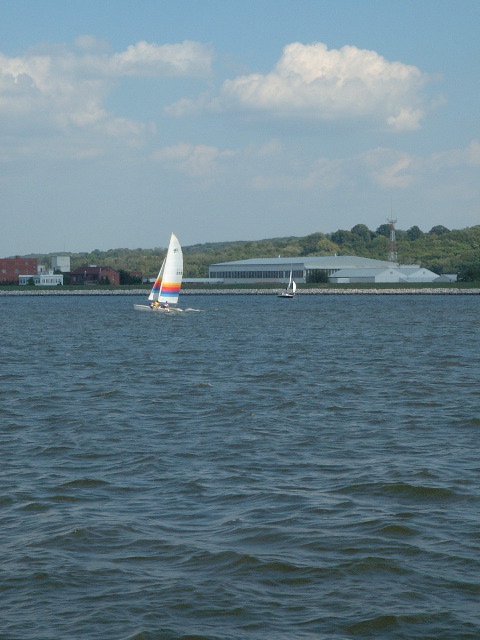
166 288
290 289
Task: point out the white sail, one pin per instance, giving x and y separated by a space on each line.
290 289
156 287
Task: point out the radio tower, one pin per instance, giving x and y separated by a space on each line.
392 256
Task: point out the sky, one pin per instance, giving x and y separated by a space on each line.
225 120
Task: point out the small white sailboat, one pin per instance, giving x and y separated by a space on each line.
290 289
166 288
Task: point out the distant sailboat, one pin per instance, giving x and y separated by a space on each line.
290 289
166 288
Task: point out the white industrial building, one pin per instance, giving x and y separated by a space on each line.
61 263
46 277
339 269
400 273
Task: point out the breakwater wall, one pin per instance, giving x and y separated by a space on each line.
438 291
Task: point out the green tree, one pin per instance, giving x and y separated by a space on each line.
363 231
342 237
469 273
379 247
127 278
414 233
383 230
316 243
439 230
441 250
316 275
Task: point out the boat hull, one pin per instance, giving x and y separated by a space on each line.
285 295
146 307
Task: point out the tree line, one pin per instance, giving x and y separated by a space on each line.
440 249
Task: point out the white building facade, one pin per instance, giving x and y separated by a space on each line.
43 279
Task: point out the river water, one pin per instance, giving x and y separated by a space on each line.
258 469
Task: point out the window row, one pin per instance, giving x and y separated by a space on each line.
256 274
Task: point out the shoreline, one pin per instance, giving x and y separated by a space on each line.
246 292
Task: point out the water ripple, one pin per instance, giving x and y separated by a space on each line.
250 472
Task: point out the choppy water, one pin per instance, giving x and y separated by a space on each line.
265 469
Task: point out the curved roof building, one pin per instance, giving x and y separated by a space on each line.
278 269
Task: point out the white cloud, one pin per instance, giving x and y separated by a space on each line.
312 82
273 167
60 92
324 175
185 59
389 168
474 153
270 148
91 43
189 107
193 160
459 157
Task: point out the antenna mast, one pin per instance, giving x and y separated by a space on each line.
392 256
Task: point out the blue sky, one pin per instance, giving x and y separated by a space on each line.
224 120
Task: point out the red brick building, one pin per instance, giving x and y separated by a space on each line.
94 275
11 268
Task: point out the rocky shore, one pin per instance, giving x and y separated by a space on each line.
244 292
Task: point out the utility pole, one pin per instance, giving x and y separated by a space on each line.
392 256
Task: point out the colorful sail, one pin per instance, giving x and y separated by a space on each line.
170 276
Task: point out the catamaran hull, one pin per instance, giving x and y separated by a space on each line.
146 307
